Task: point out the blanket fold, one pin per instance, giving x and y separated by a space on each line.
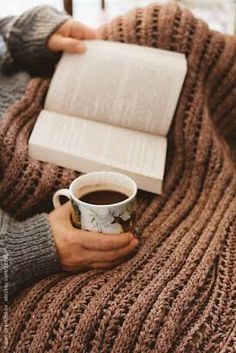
178 293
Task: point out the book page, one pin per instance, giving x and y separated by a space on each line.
121 84
65 140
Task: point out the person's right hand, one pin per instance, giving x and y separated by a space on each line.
79 249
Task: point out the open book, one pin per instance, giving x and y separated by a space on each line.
111 109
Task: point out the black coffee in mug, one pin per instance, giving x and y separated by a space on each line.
103 197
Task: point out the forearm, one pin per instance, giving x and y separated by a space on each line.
27 252
26 38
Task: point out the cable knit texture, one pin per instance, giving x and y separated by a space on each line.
177 294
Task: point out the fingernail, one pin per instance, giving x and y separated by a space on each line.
80 47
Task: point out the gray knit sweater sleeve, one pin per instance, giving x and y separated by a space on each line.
27 252
26 38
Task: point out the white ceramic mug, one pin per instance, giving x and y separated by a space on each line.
113 218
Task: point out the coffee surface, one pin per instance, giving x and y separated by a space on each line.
103 197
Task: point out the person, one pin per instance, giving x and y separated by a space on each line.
46 243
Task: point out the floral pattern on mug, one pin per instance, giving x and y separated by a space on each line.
107 220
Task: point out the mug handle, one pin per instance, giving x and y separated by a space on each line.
56 197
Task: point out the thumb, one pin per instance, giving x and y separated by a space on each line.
63 213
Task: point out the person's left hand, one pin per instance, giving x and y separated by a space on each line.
69 37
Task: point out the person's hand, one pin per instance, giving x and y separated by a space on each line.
69 37
79 249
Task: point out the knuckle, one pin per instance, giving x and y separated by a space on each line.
80 260
72 260
74 240
69 239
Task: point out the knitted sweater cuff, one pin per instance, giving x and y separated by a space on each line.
28 250
27 37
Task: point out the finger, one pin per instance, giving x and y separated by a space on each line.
64 211
100 265
75 269
66 207
111 255
94 265
70 45
101 242
80 31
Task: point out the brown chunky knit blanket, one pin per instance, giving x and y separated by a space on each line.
178 293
